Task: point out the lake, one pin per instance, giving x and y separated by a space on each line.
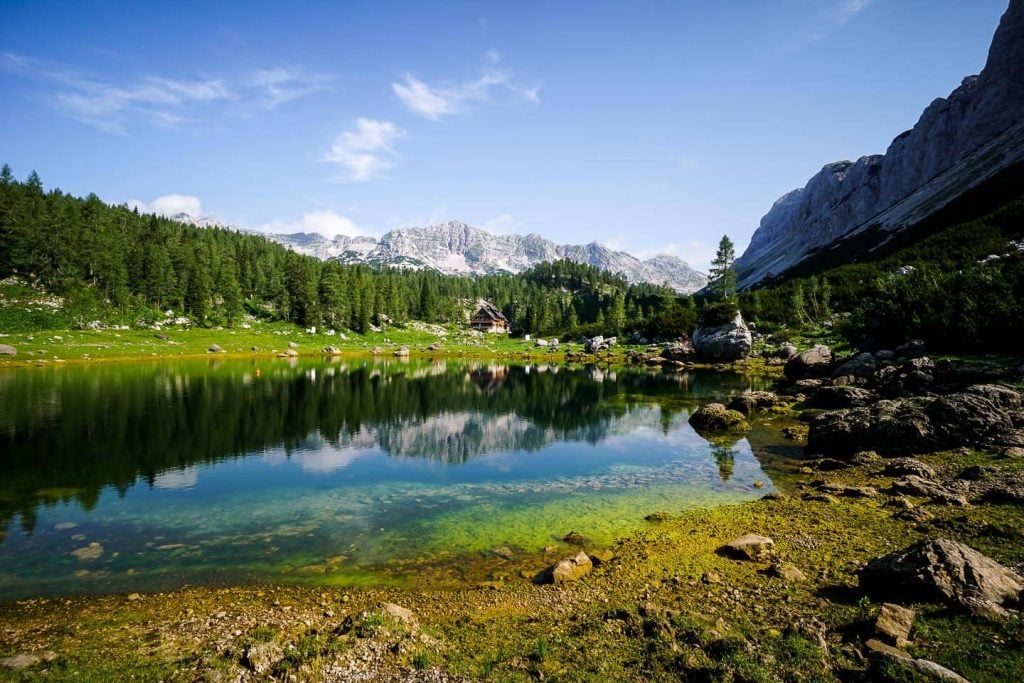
152 476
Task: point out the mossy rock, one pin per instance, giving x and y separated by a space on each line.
716 418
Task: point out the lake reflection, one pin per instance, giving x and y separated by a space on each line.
121 477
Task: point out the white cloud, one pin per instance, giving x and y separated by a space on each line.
444 99
282 85
111 105
365 150
326 223
169 205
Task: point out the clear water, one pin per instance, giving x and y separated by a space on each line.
344 472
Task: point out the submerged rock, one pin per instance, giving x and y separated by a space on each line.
93 551
574 538
942 570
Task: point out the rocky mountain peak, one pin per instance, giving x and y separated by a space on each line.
959 142
457 248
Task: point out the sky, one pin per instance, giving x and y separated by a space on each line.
651 127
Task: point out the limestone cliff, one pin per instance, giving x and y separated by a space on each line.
959 142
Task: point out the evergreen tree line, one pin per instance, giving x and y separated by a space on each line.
959 288
111 260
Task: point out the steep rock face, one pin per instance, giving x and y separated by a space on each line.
958 142
455 248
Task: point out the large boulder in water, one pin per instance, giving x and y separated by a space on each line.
941 570
813 363
716 418
730 341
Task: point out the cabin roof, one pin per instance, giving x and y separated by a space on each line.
485 309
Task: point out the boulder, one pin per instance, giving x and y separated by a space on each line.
569 569
942 570
214 349
680 352
841 397
541 343
291 353
750 547
861 365
599 343
436 346
402 352
813 363
377 350
916 486
912 349
332 351
714 417
785 571
786 351
894 623
27 660
904 466
724 343
7 350
753 401
980 415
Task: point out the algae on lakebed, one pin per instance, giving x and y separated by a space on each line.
649 614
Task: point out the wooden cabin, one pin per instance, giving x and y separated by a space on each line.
489 319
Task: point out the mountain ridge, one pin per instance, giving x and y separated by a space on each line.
457 248
958 143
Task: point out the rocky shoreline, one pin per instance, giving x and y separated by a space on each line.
894 554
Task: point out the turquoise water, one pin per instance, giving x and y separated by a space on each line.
154 476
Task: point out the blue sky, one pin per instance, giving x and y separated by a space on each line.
649 126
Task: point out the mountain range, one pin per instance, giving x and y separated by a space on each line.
960 143
455 248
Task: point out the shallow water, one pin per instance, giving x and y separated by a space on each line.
208 472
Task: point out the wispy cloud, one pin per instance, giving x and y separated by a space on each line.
112 105
282 85
444 99
365 150
828 20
